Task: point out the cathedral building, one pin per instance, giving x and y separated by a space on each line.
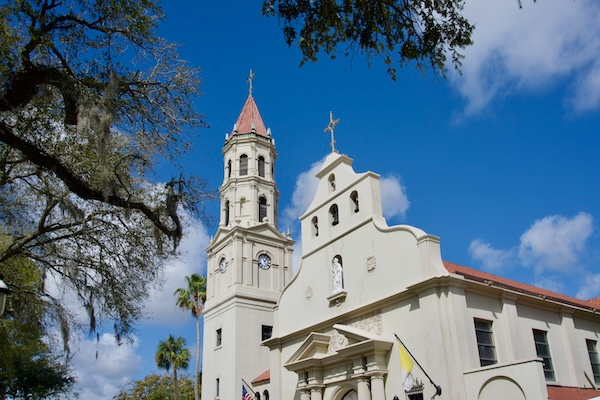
373 312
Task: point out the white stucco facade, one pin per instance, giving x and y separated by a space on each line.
478 336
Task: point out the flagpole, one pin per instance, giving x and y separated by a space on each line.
438 389
248 386
252 392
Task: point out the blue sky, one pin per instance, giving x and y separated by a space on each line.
502 162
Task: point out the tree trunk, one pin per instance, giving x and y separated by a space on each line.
175 393
196 394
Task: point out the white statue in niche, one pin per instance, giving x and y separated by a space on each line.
337 272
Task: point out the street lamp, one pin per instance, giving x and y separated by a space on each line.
3 295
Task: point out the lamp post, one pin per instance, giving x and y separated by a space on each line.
3 295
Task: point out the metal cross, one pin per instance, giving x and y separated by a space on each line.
331 128
250 78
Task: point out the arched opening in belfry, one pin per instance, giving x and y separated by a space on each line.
262 208
261 166
243 165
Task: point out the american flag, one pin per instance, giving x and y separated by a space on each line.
245 394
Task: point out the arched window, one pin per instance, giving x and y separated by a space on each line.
229 169
257 395
262 208
354 198
350 395
266 395
315 226
227 213
243 165
261 166
331 182
334 215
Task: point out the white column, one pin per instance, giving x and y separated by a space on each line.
304 394
377 387
363 389
238 255
512 350
376 372
316 393
571 342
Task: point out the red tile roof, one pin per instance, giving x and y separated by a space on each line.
262 377
250 119
595 302
571 393
518 286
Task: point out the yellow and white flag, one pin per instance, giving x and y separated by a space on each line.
406 365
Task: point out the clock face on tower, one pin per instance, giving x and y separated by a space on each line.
264 261
222 265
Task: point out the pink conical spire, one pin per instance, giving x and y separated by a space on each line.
250 120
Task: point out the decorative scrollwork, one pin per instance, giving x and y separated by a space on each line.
370 322
337 341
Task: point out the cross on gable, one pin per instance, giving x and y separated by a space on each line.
331 128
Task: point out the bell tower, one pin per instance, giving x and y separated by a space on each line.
249 195
249 260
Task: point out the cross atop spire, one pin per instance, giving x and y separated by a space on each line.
331 128
250 78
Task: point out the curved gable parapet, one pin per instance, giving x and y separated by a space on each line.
381 224
429 246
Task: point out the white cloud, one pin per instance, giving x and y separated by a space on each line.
102 377
554 284
394 200
161 308
491 259
586 91
530 49
555 242
304 191
590 288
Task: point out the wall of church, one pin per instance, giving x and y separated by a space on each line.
436 320
375 266
513 320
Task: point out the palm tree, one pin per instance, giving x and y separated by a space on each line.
192 298
172 353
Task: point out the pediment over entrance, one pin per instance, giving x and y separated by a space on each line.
314 346
342 344
343 360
